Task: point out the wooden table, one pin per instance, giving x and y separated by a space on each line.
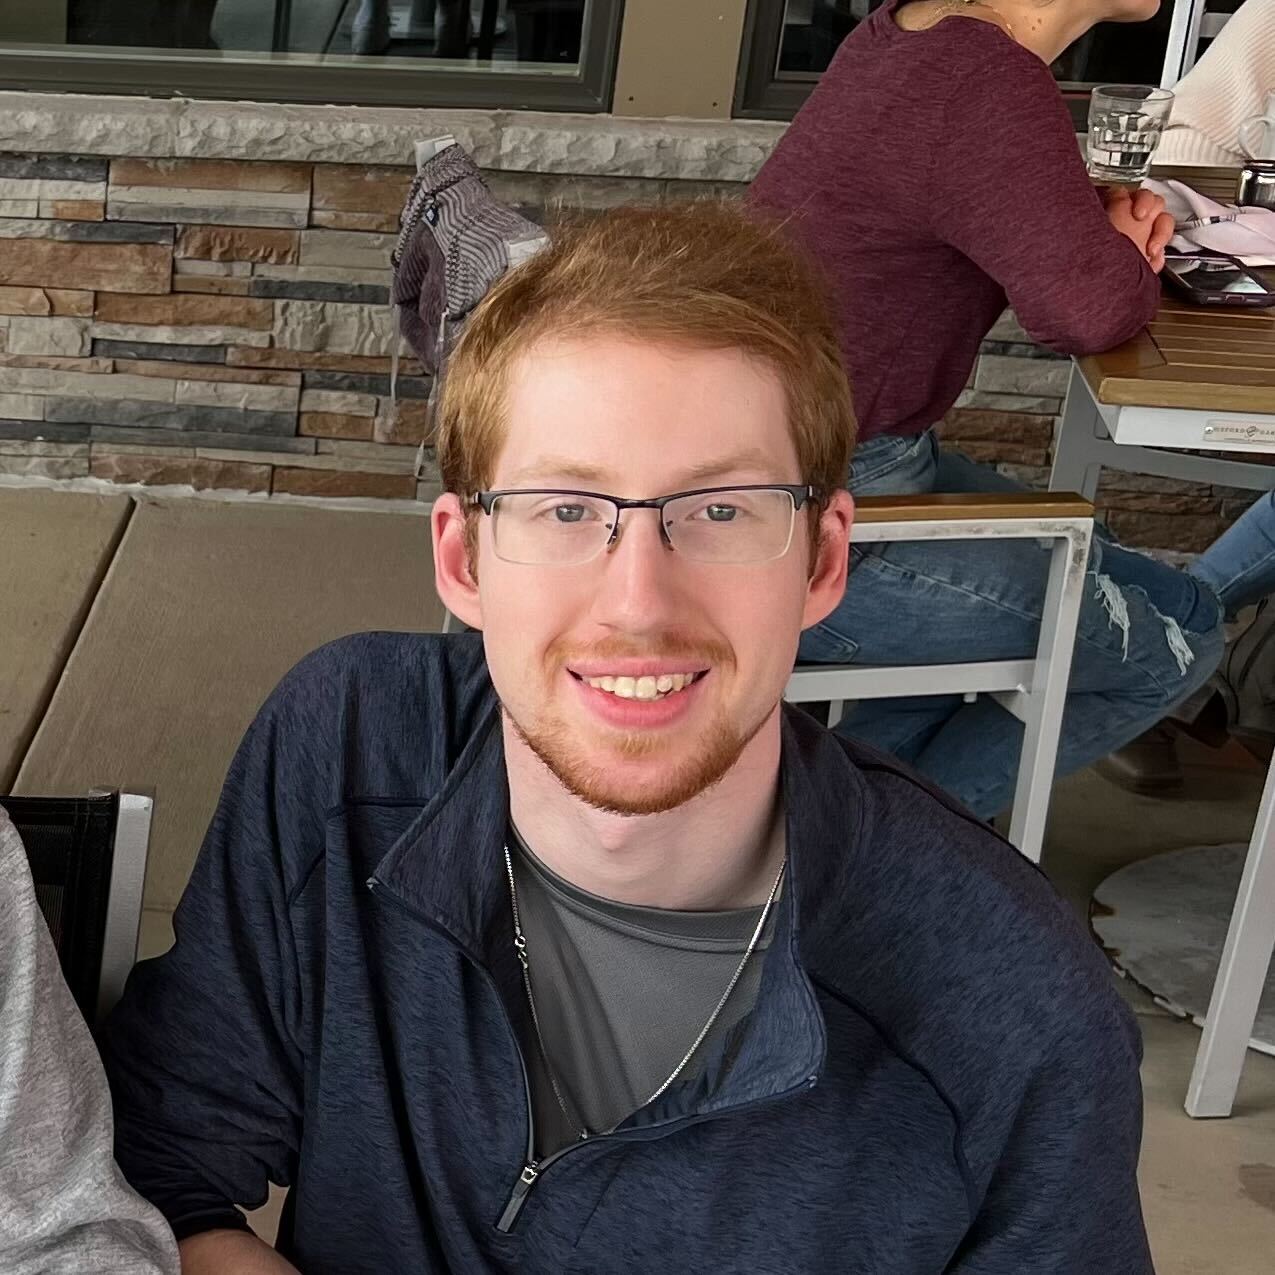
1203 363
1192 359
1204 380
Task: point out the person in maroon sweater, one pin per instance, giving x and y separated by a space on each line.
935 174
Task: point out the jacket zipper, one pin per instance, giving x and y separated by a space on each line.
526 1180
532 1168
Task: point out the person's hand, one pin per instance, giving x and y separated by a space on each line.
225 1252
1141 217
1162 230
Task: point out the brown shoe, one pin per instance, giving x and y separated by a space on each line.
1147 765
1203 716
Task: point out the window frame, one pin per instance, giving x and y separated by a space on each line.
589 90
759 93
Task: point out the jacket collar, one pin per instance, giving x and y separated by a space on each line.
448 868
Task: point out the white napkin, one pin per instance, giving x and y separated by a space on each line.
1246 233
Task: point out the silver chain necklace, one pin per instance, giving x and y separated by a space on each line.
520 946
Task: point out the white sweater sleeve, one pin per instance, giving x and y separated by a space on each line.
65 1208
1225 87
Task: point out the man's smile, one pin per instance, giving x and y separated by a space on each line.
645 686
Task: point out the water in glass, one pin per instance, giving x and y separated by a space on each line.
1125 126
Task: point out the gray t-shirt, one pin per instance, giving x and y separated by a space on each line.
621 992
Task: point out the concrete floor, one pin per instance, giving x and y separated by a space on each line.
149 633
1208 1186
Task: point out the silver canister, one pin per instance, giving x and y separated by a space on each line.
1257 184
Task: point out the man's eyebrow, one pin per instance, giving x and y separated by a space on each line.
751 459
556 467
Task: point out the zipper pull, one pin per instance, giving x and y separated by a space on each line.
526 1180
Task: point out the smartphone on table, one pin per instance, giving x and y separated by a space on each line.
1215 279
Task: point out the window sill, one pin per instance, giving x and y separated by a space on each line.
517 141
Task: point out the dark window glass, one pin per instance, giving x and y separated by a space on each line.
473 51
520 31
812 29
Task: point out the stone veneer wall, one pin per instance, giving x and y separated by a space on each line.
186 318
219 323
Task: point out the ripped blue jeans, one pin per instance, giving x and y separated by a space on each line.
1240 563
1148 634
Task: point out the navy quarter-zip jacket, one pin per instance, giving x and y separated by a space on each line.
938 1075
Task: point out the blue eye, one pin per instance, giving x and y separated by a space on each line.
569 513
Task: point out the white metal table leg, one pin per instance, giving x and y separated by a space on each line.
1241 976
1075 467
1184 39
1043 704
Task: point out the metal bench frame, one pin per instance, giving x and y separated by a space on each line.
1033 689
121 913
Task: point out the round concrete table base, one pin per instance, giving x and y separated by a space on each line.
1163 921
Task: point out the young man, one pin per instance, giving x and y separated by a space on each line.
566 946
64 1207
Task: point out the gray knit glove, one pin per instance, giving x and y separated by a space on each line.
456 242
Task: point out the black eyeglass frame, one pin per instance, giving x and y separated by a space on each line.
799 493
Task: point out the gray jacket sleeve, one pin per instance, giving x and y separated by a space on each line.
64 1205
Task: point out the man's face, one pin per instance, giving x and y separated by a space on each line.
569 647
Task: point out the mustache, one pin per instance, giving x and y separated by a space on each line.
662 646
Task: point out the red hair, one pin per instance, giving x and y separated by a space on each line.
704 274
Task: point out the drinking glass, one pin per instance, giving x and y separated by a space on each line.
1125 124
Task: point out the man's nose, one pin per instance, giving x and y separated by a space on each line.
638 586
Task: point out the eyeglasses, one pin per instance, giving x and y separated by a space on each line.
737 525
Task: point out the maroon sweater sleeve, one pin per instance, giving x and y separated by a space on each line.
1013 195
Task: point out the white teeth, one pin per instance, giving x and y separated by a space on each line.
648 687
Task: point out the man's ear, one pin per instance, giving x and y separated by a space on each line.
828 573
453 578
